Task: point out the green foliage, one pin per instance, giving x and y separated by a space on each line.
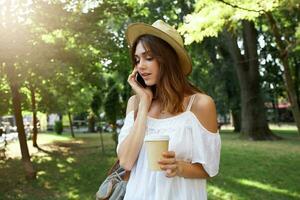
297 35
66 49
58 127
298 31
96 102
5 96
112 102
210 17
112 106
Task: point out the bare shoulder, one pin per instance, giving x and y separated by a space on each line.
205 110
130 104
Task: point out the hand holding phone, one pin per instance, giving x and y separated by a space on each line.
140 80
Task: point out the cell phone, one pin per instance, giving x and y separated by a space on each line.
140 80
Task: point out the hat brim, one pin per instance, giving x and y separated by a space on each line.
135 30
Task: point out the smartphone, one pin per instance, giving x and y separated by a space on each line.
140 80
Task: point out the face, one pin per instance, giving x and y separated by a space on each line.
146 64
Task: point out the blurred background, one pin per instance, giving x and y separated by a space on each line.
63 91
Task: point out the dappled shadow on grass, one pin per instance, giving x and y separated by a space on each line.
69 170
288 134
74 169
43 150
257 170
284 134
78 168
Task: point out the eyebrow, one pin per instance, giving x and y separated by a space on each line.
144 53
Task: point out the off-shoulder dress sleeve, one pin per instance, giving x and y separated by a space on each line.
206 148
128 123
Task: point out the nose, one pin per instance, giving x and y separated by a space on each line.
142 64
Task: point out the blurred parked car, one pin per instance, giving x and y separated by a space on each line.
8 128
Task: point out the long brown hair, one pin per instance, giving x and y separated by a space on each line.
172 84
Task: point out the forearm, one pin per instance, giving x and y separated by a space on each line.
189 170
130 147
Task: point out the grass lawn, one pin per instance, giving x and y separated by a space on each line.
258 170
67 169
73 168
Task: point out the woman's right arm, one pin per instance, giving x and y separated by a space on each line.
130 147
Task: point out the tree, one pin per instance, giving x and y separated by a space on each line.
5 103
254 121
211 17
271 73
36 72
285 47
224 77
14 43
112 106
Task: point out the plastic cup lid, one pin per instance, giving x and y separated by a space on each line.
156 137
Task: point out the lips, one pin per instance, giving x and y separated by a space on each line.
145 75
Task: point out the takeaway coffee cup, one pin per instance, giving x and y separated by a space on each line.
155 145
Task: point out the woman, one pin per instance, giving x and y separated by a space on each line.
170 105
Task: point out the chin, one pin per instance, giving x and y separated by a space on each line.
149 84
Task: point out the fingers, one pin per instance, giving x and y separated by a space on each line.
171 170
144 93
168 168
168 163
168 158
170 173
133 82
131 77
169 154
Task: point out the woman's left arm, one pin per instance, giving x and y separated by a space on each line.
181 168
205 110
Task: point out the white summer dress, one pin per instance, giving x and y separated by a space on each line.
190 141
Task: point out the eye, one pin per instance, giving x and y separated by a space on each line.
136 61
149 58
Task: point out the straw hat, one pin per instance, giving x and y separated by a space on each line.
166 32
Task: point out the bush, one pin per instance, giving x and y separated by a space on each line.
58 127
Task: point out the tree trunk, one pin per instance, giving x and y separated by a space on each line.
29 169
34 117
91 123
101 138
236 120
275 109
283 50
71 124
254 123
231 82
60 116
297 78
